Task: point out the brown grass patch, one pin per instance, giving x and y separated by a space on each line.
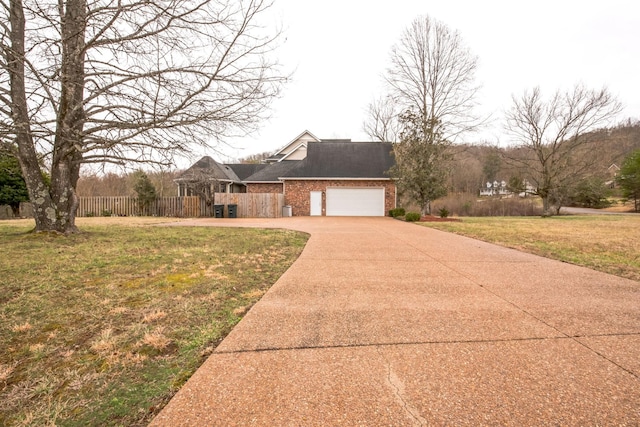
118 310
240 311
156 339
254 294
24 327
6 371
154 316
105 343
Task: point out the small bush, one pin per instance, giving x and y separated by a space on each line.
107 212
412 216
591 193
443 212
397 212
90 214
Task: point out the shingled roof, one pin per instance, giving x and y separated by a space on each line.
245 170
206 167
345 160
326 159
272 172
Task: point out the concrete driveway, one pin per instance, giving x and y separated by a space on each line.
381 322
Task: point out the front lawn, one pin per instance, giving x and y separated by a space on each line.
101 328
607 243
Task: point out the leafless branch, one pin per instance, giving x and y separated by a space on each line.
550 135
432 73
381 123
130 80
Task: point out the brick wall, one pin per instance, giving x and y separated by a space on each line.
297 193
264 188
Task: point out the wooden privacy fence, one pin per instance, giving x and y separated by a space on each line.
248 205
252 205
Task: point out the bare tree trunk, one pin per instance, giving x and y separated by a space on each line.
38 189
54 204
426 208
67 158
546 206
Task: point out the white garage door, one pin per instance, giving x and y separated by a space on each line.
355 201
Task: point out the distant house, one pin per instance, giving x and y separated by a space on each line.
324 177
612 172
495 188
500 188
208 176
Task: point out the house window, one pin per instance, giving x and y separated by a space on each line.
220 187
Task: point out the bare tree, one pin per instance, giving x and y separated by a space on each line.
126 81
204 184
431 78
552 147
466 173
381 123
255 158
110 184
432 74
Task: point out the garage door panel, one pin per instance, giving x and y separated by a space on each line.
355 201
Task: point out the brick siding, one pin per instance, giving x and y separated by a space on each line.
264 188
297 193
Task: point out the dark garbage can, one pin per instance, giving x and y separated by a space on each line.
218 211
232 211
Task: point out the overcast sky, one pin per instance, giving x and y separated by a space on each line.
338 51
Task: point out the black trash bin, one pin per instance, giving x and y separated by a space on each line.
232 211
218 211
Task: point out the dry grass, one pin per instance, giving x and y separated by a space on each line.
132 221
154 316
101 328
6 371
156 339
26 326
621 206
470 205
606 243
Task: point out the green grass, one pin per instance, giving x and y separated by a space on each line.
101 328
600 242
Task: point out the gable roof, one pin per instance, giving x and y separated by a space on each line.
345 160
207 168
287 148
293 146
